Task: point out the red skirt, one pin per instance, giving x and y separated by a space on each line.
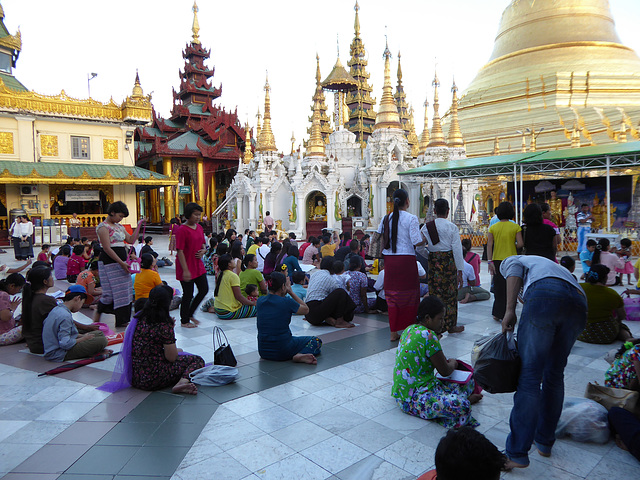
401 290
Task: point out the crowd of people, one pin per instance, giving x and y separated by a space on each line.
422 274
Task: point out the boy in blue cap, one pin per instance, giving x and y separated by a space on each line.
60 335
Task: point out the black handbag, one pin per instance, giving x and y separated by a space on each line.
222 353
23 244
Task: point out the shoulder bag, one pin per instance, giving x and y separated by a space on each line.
222 353
379 241
613 397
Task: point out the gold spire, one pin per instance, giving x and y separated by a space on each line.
424 138
387 116
248 154
356 24
258 128
496 146
437 137
267 141
137 88
455 135
195 27
315 145
293 142
325 123
412 137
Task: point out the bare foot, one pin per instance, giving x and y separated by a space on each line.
106 351
457 329
93 307
196 321
465 299
497 319
510 465
185 386
394 337
211 310
341 323
475 398
621 444
188 325
305 358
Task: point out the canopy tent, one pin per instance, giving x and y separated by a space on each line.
614 156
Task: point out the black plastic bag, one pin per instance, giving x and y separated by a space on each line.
497 368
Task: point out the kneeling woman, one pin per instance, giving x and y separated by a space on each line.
228 301
275 341
155 360
415 386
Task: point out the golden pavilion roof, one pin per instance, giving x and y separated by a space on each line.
339 79
555 63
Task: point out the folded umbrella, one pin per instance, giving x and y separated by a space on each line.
80 363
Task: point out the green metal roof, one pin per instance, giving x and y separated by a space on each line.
187 140
619 155
75 170
12 82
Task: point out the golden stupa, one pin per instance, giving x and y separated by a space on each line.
559 75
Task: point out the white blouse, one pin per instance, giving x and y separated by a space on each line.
449 235
408 234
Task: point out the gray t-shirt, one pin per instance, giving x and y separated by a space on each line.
532 268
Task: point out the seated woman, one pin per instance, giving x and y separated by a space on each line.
275 341
327 301
228 302
251 275
625 370
357 287
605 310
148 278
60 335
208 258
156 362
603 256
271 258
61 261
89 279
292 261
415 386
10 331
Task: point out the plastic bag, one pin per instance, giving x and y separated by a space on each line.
584 421
632 308
497 368
479 344
214 375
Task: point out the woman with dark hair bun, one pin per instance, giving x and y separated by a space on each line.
275 341
401 281
603 256
605 310
539 238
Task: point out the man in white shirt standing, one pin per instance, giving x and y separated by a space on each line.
446 262
262 252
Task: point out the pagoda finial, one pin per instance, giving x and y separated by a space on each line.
318 77
455 135
258 128
424 138
496 146
399 70
315 146
267 140
195 27
338 44
248 154
137 88
387 116
437 137
293 142
356 25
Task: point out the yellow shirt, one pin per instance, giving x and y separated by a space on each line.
374 268
226 300
636 266
252 249
328 250
145 281
504 239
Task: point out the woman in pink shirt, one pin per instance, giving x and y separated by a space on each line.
190 271
603 256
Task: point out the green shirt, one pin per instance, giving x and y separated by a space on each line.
250 275
413 368
601 302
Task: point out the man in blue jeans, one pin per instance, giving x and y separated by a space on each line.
554 314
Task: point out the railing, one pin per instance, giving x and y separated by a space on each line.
88 220
215 216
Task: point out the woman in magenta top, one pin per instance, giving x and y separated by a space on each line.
190 271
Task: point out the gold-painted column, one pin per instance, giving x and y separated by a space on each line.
168 198
138 206
201 193
214 200
153 200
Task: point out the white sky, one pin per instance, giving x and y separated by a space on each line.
65 40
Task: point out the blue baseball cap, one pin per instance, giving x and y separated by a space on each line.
80 289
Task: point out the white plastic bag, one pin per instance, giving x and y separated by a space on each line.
584 421
214 375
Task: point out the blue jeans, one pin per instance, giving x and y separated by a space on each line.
553 316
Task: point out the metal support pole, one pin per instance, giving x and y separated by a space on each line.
608 197
515 192
521 193
450 191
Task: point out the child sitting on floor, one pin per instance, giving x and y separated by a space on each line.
299 279
252 291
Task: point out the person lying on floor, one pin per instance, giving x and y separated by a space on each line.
60 335
275 341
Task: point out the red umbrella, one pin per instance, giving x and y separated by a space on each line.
80 363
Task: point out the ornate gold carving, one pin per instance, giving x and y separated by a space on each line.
138 109
6 143
110 148
14 42
49 145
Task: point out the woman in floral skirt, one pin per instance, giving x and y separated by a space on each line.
415 386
